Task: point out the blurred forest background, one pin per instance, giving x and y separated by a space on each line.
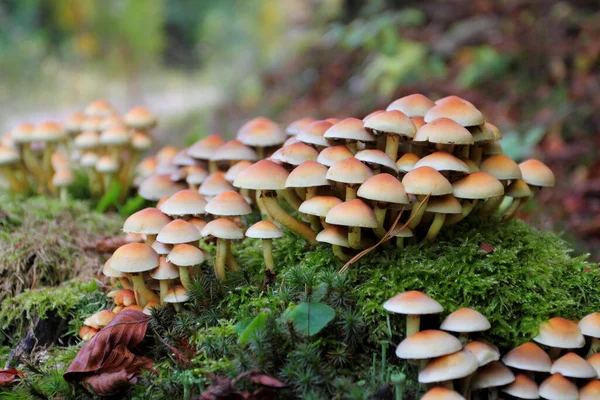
532 67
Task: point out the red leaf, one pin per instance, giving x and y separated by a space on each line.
488 248
9 376
265 380
106 362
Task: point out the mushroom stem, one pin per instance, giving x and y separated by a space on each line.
467 207
476 153
490 206
466 386
268 254
417 212
350 192
220 259
463 151
107 181
125 283
13 182
230 259
352 146
554 353
595 347
184 277
391 146
493 393
64 194
413 324
47 169
400 242
315 223
448 385
212 166
339 253
263 210
354 237
177 307
142 294
292 198
380 216
464 338
150 239
434 229
32 165
279 215
164 288
511 211
260 152
311 192
449 148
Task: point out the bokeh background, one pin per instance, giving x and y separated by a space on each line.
203 66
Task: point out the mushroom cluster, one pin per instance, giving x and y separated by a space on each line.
98 142
405 172
455 358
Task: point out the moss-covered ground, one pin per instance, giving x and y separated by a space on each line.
523 277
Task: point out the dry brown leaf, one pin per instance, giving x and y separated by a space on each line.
105 245
9 376
106 362
488 248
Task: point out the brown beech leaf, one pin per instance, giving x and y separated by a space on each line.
265 380
105 245
9 376
488 248
106 362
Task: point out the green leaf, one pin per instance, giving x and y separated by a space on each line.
132 205
111 197
310 318
257 324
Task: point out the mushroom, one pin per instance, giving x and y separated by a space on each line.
465 320
186 202
214 185
259 133
441 207
354 214
573 366
441 393
393 124
505 170
590 326
148 221
310 175
537 174
594 361
178 231
107 167
405 232
62 180
471 189
427 344
351 131
406 163
266 231
9 159
155 187
449 367
483 351
445 163
528 357
377 159
444 133
233 152
413 105
267 178
523 387
165 272
298 125
205 148
109 271
313 134
413 304
591 391
492 376
49 133
349 172
185 256
423 182
337 237
133 259
87 332
100 319
176 296
319 206
224 230
557 387
331 155
124 297
517 191
559 333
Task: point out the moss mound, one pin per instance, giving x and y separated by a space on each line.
43 241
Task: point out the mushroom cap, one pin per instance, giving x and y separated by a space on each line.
186 255
149 307
307 174
528 357
111 121
215 184
87 140
178 294
407 162
573 366
378 157
234 150
134 257
184 202
92 123
161 248
442 161
148 221
447 204
426 180
124 297
393 121
414 105
518 189
22 133
109 271
48 132
178 231
106 164
140 141
335 235
165 270
590 325
100 319
331 155
199 223
223 228
561 333
349 129
557 387
195 175
146 167
537 173
428 344
412 303
297 153
205 148
166 154
594 361
441 393
8 155
458 110
385 188
264 175
493 374
353 213
139 118
483 351
296 126
235 169
73 123
349 171
264 230
591 391
478 185
523 387
314 133
372 114
450 98
155 187
449 367
319 205
58 160
418 121
99 108
63 178
473 167
443 131
228 203
404 232
261 132
501 167
115 136
465 320
183 159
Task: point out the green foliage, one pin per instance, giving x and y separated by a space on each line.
310 318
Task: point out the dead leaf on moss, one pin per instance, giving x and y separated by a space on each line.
224 388
9 376
488 248
106 362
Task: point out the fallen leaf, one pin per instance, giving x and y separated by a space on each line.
265 380
105 245
9 376
488 248
106 362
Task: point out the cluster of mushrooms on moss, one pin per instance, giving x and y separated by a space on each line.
97 142
559 364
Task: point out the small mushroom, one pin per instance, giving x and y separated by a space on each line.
426 345
337 237
448 368
559 333
573 366
266 231
133 259
523 387
464 321
224 230
260 133
590 326
351 173
528 357
354 214
164 273
148 221
100 319
177 296
591 391
557 387
492 376
185 256
441 393
413 304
